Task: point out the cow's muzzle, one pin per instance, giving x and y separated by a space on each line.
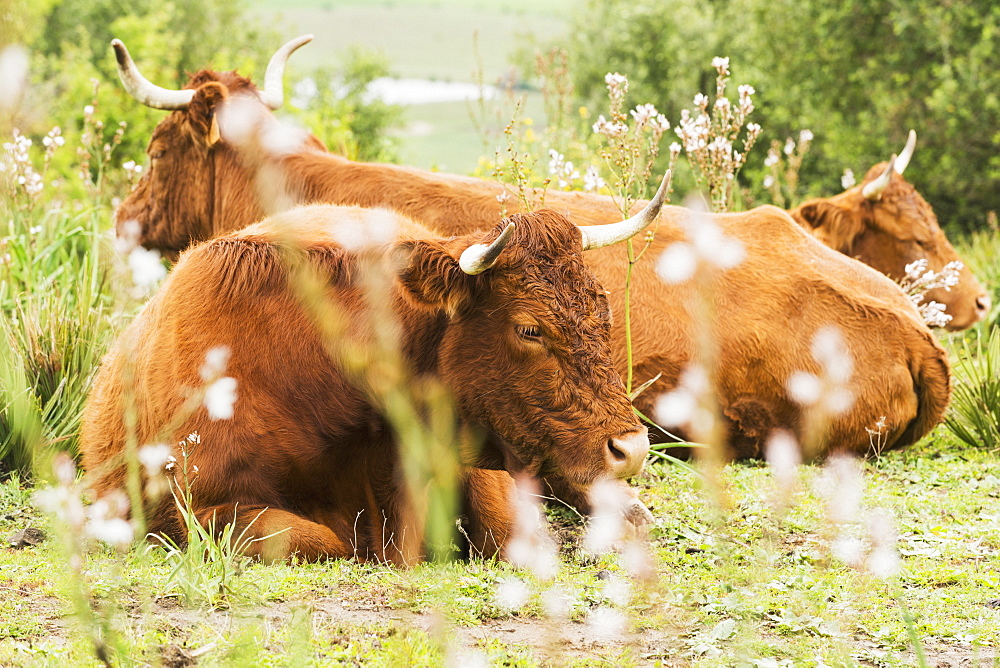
626 453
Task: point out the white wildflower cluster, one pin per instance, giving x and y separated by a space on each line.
562 169
133 170
531 545
592 180
829 391
144 265
616 523
919 280
710 137
220 390
783 164
685 405
864 540
706 245
18 169
104 520
783 456
628 147
847 180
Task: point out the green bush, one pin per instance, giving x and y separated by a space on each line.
859 75
975 406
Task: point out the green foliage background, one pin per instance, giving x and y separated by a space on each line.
859 75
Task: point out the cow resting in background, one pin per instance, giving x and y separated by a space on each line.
510 322
885 223
221 161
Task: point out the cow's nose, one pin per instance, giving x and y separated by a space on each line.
982 306
627 452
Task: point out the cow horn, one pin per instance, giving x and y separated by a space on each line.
142 89
873 190
477 258
904 158
598 236
273 94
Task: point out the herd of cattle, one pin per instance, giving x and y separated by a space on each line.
511 316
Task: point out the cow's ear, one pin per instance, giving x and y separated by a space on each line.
832 224
201 113
431 277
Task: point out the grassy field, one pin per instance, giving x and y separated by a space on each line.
757 576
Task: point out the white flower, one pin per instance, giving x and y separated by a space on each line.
531 545
700 100
592 180
721 63
606 623
841 483
677 263
806 136
783 457
154 458
772 158
746 90
606 523
804 388
847 180
147 270
768 181
644 113
105 519
88 110
557 602
512 593
216 360
615 80
789 146
220 397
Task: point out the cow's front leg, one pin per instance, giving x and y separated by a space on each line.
487 499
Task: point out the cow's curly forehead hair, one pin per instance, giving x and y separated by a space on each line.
231 80
547 272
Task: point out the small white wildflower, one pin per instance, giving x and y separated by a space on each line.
746 90
883 560
154 457
530 545
841 483
721 63
848 549
105 519
804 388
847 180
606 523
677 263
88 110
170 464
557 602
147 270
34 229
615 80
644 113
512 593
676 408
216 360
700 100
592 180
768 181
789 146
617 589
220 397
606 623
783 457
805 136
772 158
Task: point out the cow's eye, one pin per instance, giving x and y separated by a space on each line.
156 155
531 333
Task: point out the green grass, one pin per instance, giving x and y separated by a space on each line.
746 583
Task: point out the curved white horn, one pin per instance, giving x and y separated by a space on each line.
873 190
598 236
904 158
477 258
142 89
273 94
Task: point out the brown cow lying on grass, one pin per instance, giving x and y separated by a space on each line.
212 172
885 223
512 323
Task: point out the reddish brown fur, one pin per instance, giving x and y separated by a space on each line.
767 309
890 233
313 451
